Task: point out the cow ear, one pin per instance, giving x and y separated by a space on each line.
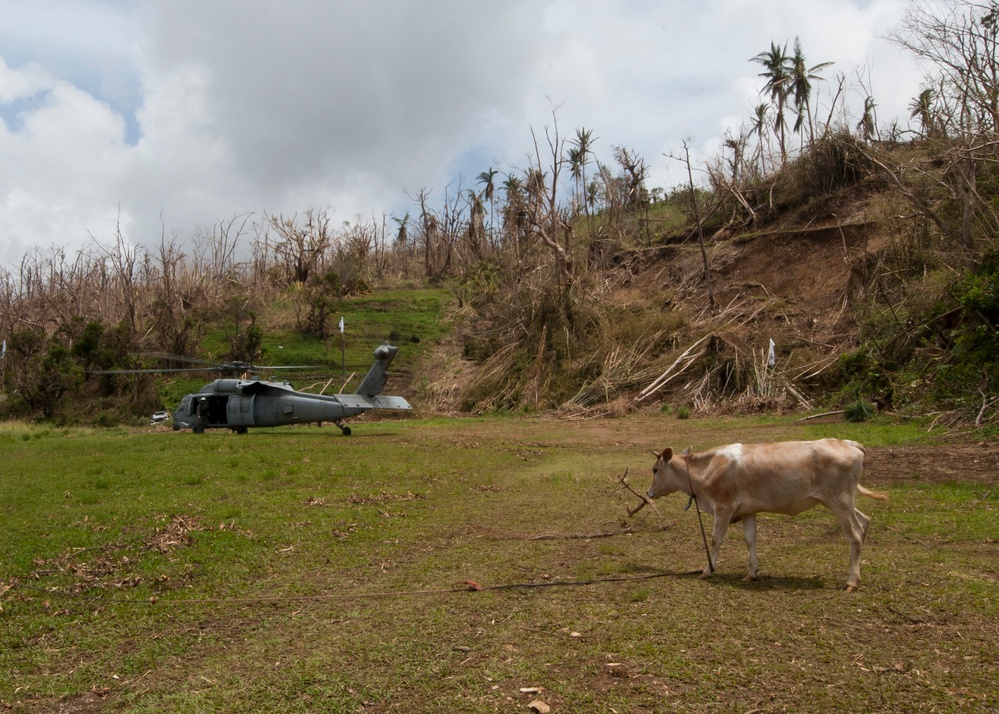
686 452
667 454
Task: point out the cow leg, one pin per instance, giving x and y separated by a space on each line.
864 521
854 528
717 536
749 533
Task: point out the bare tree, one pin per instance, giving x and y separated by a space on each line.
957 42
173 310
123 258
635 171
302 244
440 229
697 218
546 218
730 174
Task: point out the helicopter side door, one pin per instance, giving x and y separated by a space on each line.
239 411
213 409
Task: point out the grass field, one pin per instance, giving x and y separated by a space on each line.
479 565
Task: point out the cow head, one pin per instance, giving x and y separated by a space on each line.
665 476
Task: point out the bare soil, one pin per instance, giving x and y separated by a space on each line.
796 281
958 462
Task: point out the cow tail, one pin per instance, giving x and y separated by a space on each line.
872 494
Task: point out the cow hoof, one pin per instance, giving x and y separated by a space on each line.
705 575
851 588
749 579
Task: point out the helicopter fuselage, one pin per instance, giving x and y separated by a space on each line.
239 404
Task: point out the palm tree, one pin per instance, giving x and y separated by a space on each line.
760 121
401 241
402 235
489 192
777 70
867 126
922 107
476 222
514 213
801 88
576 169
583 146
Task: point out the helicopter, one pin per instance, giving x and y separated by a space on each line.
238 403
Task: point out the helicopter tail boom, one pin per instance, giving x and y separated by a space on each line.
374 381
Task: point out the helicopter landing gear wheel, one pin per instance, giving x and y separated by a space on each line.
345 430
241 430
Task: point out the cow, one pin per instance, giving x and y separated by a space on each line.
737 481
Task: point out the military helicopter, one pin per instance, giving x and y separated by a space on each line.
238 403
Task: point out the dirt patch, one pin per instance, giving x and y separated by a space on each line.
973 462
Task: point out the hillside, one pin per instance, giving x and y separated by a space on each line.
855 291
874 296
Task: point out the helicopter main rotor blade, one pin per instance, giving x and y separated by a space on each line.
290 366
233 366
224 368
147 371
176 358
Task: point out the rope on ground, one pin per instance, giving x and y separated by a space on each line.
464 586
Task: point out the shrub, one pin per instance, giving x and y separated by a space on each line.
859 411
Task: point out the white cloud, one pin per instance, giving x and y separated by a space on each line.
169 116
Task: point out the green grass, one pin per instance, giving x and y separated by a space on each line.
409 318
298 570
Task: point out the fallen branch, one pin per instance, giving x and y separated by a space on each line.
641 504
646 501
985 405
823 414
669 374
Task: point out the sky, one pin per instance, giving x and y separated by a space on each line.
156 120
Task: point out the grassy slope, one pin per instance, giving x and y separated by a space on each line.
409 318
294 569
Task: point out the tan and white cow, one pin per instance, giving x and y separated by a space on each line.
737 481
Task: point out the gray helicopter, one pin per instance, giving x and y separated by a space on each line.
241 403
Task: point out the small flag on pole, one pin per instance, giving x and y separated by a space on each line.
343 352
3 350
771 355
